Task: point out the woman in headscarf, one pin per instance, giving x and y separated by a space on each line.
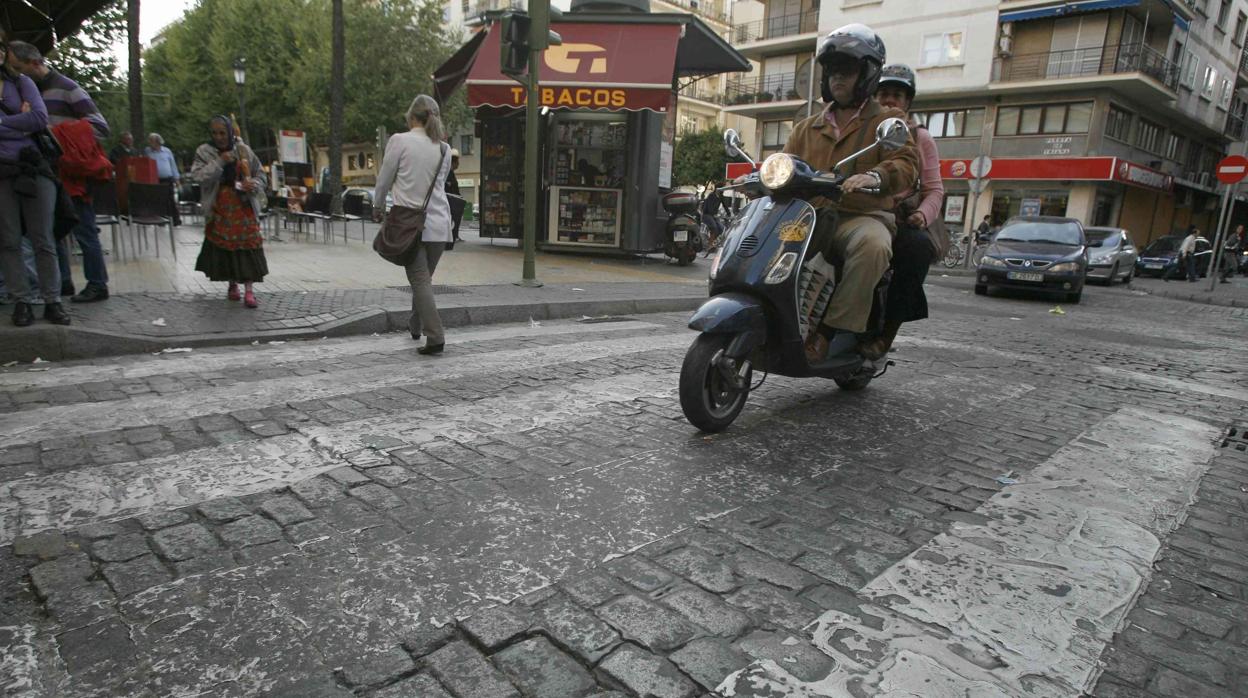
232 180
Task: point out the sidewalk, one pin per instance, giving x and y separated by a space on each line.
317 289
1233 294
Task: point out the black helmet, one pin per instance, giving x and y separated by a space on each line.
860 42
899 74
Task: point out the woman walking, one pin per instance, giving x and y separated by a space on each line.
414 171
921 236
233 194
27 198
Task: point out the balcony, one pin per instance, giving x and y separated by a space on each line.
1135 69
777 35
1234 128
702 8
763 95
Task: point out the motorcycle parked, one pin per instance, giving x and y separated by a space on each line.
684 223
766 295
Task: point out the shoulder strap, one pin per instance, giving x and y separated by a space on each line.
434 182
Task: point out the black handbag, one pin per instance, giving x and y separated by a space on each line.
398 240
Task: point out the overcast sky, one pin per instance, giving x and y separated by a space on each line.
157 14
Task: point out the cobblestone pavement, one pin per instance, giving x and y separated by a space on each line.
1028 503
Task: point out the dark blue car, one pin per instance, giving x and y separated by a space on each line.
1161 257
1039 253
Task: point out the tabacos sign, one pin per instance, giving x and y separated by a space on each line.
585 97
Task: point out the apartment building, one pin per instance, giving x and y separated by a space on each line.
1110 111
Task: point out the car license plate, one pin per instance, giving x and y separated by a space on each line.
1024 276
680 236
1154 266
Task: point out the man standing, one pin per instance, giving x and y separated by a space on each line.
1187 256
166 169
66 101
124 149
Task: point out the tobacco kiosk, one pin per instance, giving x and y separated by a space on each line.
609 98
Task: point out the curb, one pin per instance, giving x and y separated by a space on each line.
1199 299
75 343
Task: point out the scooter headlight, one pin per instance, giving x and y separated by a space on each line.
782 268
777 171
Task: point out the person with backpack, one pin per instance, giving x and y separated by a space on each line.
921 236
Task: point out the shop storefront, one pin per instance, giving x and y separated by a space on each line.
1098 191
608 125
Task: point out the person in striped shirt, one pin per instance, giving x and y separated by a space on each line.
67 101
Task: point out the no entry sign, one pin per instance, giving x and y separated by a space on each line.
1232 169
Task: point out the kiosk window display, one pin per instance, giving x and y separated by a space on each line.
502 199
590 168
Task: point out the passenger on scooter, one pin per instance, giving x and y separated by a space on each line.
852 59
921 235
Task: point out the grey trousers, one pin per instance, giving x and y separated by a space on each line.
425 319
35 213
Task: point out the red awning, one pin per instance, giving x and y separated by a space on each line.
599 66
1101 169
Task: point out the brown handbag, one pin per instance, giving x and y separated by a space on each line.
398 241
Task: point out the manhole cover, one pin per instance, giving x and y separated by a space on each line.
438 290
1236 438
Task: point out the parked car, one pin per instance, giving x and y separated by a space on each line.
1041 253
1162 255
1111 255
365 194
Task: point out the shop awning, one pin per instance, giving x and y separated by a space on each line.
451 74
599 66
45 22
1060 9
1096 169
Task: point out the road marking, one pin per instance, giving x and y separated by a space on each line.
68 421
270 355
1025 602
1183 386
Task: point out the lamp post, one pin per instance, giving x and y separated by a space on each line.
240 79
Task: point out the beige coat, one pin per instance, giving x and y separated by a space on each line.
206 171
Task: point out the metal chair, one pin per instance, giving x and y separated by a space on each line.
189 201
353 209
152 205
108 213
317 207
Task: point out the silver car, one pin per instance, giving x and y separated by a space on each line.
1111 255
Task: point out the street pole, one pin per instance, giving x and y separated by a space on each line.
539 38
970 235
1228 202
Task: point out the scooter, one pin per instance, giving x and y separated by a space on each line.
767 296
684 223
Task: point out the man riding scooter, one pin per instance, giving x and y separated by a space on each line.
852 58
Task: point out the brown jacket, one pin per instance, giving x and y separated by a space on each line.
812 140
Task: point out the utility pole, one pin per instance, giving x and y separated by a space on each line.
135 73
524 37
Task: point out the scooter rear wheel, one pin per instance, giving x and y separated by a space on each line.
709 400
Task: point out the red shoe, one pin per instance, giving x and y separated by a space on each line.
232 294
249 300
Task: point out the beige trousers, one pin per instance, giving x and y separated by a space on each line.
866 245
425 319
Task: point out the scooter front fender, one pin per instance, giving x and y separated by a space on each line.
730 313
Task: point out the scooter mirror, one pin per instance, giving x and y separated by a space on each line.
732 143
892 134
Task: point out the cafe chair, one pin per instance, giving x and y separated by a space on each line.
151 205
318 208
107 213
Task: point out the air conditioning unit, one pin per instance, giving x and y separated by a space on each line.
1005 44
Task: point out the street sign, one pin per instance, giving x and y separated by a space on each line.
981 166
977 186
1232 169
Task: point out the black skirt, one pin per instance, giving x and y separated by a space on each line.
243 266
913 255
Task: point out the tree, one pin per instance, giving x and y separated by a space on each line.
337 99
135 77
698 158
86 57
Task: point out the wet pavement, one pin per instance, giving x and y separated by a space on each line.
1027 503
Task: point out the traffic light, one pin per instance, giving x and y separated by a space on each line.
514 30
540 35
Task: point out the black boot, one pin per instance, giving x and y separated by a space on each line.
23 316
55 314
91 294
67 288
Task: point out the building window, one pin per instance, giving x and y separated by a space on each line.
1148 136
1241 23
1224 13
775 135
1044 119
1191 67
1209 83
1225 94
1201 6
1118 124
941 49
465 144
1173 148
960 123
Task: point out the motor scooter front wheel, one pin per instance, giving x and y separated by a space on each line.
708 396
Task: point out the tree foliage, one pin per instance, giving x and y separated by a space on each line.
699 158
392 49
87 56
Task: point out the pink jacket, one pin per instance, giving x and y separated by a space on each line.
931 187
